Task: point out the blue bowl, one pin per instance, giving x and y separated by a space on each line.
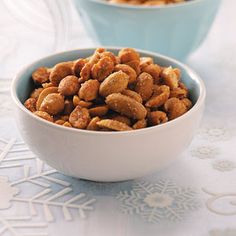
174 30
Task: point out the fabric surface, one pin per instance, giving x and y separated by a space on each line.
195 196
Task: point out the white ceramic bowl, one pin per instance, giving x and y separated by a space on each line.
107 156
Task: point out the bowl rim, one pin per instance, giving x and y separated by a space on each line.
138 7
200 100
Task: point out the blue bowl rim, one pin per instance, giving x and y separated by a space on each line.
139 7
200 100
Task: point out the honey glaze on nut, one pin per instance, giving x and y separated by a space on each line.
107 92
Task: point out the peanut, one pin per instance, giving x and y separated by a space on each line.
128 70
157 117
69 85
43 115
114 83
43 94
89 90
79 117
60 71
113 125
126 106
41 75
53 104
144 86
102 68
98 111
30 104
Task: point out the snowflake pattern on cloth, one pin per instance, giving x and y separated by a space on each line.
15 224
224 165
214 133
158 201
15 154
205 152
7 192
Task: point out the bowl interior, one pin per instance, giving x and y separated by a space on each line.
24 85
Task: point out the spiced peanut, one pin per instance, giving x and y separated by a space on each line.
108 92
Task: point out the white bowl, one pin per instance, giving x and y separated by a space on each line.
107 156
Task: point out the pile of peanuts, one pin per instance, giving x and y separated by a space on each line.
146 2
105 92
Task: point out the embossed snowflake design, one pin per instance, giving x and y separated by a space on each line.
219 232
7 192
14 154
205 152
224 165
163 200
15 225
214 133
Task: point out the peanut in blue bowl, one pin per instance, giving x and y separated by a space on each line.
175 30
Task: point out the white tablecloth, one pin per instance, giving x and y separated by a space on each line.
195 196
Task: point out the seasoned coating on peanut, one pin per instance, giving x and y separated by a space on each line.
53 104
79 117
140 124
122 119
89 90
170 77
177 71
41 75
187 103
100 50
67 124
94 58
60 71
160 96
78 66
76 100
154 70
157 117
113 125
30 104
98 111
114 83
144 86
35 93
175 108
43 94
102 68
145 61
47 85
127 55
93 124
69 85
44 115
85 104
133 94
178 93
111 56
135 65
59 122
128 70
69 107
85 73
126 106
